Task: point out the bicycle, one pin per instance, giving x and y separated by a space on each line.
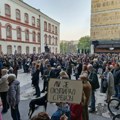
114 108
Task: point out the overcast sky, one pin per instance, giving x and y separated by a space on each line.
73 15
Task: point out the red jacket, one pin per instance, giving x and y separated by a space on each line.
76 112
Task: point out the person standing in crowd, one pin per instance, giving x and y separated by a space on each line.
35 80
4 89
13 96
87 91
15 67
110 81
116 74
93 79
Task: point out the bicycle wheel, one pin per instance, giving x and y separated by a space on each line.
114 106
117 117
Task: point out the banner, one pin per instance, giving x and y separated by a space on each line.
69 91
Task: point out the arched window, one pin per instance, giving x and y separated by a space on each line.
9 49
45 26
55 50
26 18
18 14
19 33
49 27
55 30
34 50
19 50
27 50
8 31
56 41
45 39
34 36
39 50
7 10
0 31
38 22
33 20
52 28
49 40
27 35
38 37
53 40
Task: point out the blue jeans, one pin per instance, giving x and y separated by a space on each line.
93 100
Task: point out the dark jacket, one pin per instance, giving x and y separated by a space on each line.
93 79
35 77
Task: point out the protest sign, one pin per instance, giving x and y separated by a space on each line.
65 91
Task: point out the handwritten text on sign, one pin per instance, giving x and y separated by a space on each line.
65 91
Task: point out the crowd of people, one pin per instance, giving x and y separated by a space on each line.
85 67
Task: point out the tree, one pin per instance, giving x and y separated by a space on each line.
63 47
84 43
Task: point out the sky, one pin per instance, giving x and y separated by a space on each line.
73 15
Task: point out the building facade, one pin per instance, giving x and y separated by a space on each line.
105 25
26 30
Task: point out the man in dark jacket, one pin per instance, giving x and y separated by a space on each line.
116 74
93 79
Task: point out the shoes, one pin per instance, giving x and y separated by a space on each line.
91 111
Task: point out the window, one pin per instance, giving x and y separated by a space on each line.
18 33
9 49
49 27
39 50
26 18
38 37
0 31
33 20
55 30
34 49
17 14
52 28
38 22
56 41
34 36
19 50
27 35
45 26
7 10
27 50
9 31
49 40
45 38
53 40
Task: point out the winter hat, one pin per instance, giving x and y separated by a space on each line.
11 78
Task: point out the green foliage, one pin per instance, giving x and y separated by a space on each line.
84 43
63 47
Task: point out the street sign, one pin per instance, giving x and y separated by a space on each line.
61 90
